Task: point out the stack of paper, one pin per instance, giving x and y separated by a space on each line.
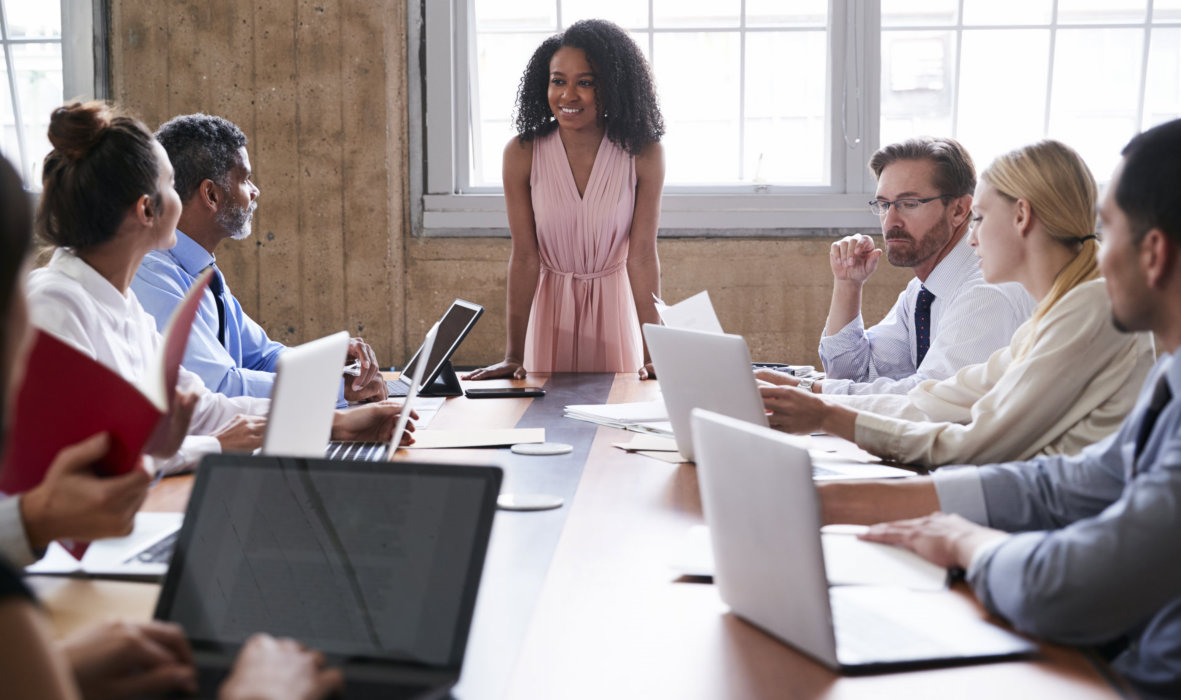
641 416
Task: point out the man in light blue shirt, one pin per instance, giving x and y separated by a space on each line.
1082 549
227 349
948 317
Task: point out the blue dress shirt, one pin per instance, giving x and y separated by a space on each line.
1097 554
245 365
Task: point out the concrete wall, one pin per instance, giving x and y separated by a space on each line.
320 90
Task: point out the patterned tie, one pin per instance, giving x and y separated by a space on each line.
217 286
922 324
1161 396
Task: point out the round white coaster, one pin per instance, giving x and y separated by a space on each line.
528 501
542 448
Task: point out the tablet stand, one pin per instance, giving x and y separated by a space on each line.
445 384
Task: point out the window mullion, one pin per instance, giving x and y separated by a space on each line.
1144 66
741 89
1050 71
13 92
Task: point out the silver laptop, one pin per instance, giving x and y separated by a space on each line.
142 555
764 519
303 402
376 565
697 369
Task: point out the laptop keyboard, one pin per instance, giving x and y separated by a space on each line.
357 451
159 553
865 636
396 389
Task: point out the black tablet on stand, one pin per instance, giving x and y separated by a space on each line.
440 378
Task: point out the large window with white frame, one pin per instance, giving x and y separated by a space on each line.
772 108
48 51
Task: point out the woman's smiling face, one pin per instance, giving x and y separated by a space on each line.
572 89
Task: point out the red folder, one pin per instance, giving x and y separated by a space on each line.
67 396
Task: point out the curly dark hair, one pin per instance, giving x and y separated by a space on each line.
201 147
624 91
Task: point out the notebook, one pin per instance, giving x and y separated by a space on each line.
376 565
764 521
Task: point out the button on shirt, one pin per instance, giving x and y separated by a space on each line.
1095 554
245 365
970 319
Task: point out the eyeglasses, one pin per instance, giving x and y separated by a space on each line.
881 207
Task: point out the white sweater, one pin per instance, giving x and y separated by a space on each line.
1075 386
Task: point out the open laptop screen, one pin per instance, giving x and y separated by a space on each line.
453 328
355 559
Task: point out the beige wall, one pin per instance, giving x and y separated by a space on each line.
320 90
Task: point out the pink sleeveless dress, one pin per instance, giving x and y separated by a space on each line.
584 316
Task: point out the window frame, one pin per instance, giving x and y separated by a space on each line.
83 39
442 206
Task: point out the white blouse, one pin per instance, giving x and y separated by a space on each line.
1074 387
71 300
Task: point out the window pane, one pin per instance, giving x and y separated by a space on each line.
630 14
776 13
501 60
516 15
1101 11
1096 91
786 119
38 70
696 13
1162 94
999 109
1007 12
905 13
695 74
917 74
1166 10
39 19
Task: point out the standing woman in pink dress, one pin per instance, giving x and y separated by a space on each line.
582 186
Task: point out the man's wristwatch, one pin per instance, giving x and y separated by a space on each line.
806 384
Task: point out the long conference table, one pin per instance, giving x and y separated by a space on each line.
581 601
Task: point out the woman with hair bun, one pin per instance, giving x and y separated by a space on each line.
107 200
582 186
1069 377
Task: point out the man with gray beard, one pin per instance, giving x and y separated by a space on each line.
230 352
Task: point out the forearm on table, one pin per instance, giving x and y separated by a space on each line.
871 502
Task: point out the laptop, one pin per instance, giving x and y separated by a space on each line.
379 451
375 565
302 404
440 377
698 369
141 556
764 520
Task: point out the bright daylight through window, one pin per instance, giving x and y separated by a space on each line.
30 81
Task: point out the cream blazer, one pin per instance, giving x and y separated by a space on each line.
1075 386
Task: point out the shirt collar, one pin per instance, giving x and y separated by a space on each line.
77 269
1173 374
190 255
951 270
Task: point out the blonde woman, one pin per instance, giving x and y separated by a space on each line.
1068 378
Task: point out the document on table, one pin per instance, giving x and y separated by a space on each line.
695 313
640 416
439 439
655 446
848 560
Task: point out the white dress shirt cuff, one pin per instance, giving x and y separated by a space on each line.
191 451
14 543
835 386
961 491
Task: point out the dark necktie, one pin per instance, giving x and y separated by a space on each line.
922 324
1160 398
217 286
